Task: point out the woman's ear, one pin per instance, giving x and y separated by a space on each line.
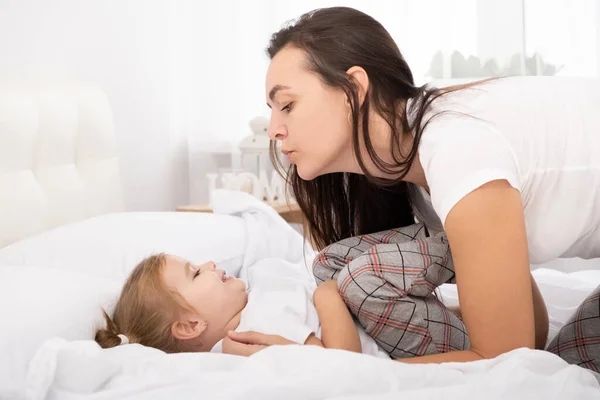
361 79
188 327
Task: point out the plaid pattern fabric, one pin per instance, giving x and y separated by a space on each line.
387 280
578 341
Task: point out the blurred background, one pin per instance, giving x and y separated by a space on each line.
185 77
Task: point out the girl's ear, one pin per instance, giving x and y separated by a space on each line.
188 327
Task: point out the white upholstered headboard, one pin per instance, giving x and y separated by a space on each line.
58 158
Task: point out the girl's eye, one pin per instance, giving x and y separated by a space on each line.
196 273
287 108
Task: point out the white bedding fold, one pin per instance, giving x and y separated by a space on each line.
299 372
268 235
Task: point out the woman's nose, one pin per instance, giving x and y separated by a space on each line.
277 132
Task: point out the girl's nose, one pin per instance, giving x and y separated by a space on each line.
210 266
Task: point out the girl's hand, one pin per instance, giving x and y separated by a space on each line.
248 343
329 286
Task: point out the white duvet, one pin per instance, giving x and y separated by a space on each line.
77 369
80 369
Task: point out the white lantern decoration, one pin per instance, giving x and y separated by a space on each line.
258 184
257 144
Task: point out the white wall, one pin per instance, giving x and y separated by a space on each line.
172 70
122 45
598 40
179 69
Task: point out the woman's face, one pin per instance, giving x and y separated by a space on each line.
309 118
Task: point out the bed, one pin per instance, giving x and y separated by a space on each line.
66 245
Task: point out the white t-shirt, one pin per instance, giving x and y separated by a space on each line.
542 135
280 303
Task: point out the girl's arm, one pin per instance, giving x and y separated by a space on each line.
486 231
338 330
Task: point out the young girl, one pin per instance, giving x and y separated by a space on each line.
172 305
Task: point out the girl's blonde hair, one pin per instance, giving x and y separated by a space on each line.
145 310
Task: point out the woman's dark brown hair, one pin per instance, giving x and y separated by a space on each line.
336 206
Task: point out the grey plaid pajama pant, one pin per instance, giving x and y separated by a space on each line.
578 341
387 280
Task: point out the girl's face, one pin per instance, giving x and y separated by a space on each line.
217 299
309 118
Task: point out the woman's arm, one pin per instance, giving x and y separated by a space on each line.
486 231
338 330
540 316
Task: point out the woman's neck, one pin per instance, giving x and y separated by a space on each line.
381 133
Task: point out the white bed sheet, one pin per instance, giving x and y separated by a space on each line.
80 369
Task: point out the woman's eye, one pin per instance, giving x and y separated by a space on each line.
287 108
196 273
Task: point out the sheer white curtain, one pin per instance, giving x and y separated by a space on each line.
217 58
564 34
181 71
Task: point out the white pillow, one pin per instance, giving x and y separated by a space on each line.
37 304
55 283
111 245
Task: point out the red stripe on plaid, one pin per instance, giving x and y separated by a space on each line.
422 281
579 338
371 267
324 259
375 264
395 324
381 323
370 240
424 252
574 343
387 238
320 258
376 267
445 346
424 344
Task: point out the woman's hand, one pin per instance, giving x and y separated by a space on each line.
248 343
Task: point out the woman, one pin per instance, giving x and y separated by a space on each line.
509 168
